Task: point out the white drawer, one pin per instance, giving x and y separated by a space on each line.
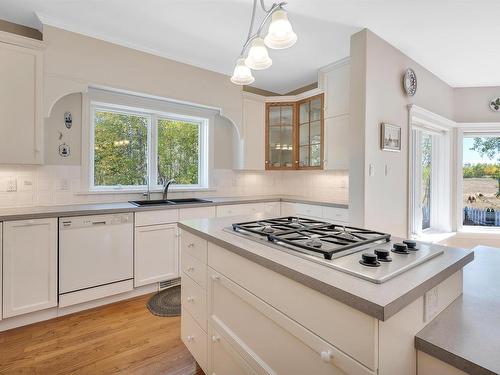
196 213
267 208
194 245
194 300
346 328
194 268
336 214
268 339
300 209
195 339
156 217
223 359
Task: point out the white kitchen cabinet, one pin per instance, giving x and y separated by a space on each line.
268 209
337 143
336 214
301 209
29 266
21 126
196 213
156 254
334 79
195 339
156 217
253 137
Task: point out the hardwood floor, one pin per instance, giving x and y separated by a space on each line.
123 338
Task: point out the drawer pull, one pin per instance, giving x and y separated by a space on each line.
191 245
215 338
190 269
326 355
190 338
215 277
190 299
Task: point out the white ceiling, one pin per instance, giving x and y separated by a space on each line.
455 39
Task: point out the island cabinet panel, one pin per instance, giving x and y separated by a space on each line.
223 359
331 322
194 245
271 208
397 334
268 338
428 365
156 254
29 266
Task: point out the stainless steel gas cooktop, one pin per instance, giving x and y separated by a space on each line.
368 254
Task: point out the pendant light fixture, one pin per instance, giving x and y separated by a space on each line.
242 74
258 58
280 36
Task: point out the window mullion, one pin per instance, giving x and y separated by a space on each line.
153 153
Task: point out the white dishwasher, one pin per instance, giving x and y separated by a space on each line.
96 255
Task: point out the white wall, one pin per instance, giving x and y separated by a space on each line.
472 104
377 96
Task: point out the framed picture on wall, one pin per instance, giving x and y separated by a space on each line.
390 139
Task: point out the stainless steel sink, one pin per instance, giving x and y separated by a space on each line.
168 202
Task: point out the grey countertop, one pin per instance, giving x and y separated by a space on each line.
378 300
467 333
27 213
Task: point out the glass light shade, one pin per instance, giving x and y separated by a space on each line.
242 74
280 34
258 58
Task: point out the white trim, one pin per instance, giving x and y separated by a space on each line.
21 41
293 98
426 118
335 65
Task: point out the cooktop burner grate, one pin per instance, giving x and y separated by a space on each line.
310 235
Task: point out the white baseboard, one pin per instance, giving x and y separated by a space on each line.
39 316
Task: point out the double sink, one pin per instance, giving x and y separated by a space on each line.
168 202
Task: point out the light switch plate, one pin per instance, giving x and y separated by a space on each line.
371 170
11 184
431 304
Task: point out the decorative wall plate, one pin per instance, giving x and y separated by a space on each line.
495 104
410 82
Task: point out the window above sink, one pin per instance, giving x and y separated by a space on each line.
135 143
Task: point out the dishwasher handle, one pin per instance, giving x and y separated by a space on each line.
99 223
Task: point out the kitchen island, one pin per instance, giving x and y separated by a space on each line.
249 308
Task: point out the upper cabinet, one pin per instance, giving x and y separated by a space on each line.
294 134
334 79
21 118
252 139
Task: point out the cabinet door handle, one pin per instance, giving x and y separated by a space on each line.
191 245
215 277
190 299
326 355
190 269
190 338
215 338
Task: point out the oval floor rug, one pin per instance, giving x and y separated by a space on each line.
166 302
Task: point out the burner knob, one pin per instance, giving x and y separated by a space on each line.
412 245
369 258
400 248
382 254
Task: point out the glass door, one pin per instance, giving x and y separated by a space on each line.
310 127
280 136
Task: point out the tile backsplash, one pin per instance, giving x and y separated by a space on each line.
55 185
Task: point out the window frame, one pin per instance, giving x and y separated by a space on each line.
421 120
467 130
154 108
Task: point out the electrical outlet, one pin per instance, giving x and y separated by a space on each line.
11 184
431 304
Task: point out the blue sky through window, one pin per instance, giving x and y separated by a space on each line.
473 157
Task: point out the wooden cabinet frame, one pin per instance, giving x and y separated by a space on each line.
296 135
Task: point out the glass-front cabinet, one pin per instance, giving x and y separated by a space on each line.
294 134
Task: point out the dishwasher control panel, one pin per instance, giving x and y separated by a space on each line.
96 220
